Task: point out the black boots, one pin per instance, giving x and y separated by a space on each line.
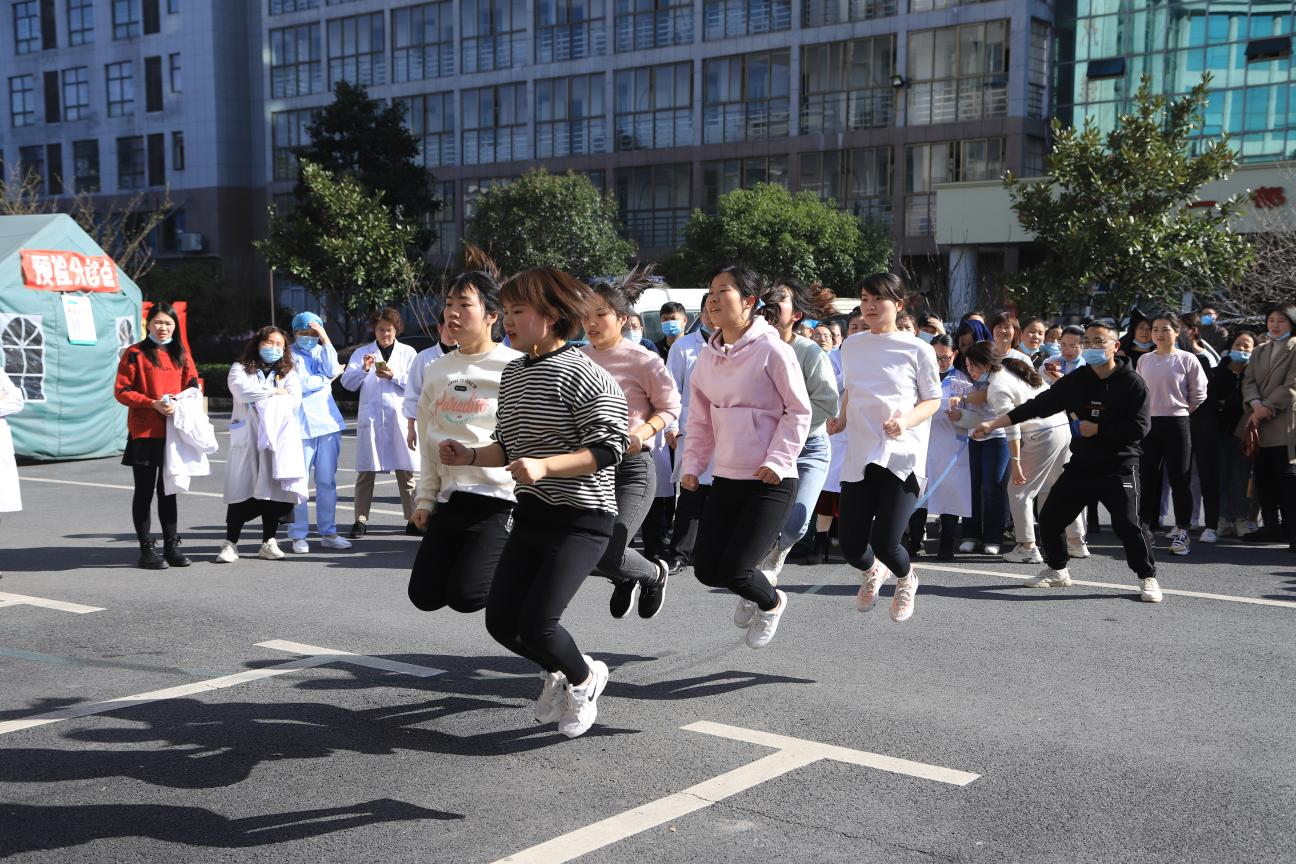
821 547
173 554
149 558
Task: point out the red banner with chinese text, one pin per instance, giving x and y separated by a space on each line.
47 270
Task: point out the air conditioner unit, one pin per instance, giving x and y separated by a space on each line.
189 242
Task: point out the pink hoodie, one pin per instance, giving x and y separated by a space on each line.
748 407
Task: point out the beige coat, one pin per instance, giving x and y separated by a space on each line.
1271 378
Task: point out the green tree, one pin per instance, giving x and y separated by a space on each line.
344 244
782 235
362 138
553 220
1115 211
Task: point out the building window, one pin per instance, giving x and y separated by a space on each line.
447 240
817 13
725 175
85 166
570 119
173 73
1037 74
126 19
929 5
475 188
53 113
22 100
958 73
76 93
157 159
177 151
569 30
152 17
152 84
283 7
80 22
945 162
121 88
27 27
847 85
422 42
495 124
288 131
654 107
746 97
173 7
296 61
130 163
653 24
22 343
357 51
431 120
654 202
858 181
725 19
54 161
31 168
494 34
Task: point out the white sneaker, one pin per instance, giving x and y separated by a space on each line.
780 557
1149 590
1209 536
872 583
967 546
549 706
1243 527
1021 555
766 565
335 541
270 550
300 547
1077 550
765 624
902 604
990 549
1050 578
744 612
1224 528
228 553
1179 543
581 707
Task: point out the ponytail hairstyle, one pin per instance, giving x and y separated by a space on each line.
809 301
749 282
984 354
556 295
481 275
175 348
622 294
251 360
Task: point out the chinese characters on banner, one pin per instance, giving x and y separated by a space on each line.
68 271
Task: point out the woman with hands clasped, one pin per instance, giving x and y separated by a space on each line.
1269 394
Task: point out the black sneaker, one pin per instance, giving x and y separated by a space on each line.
624 595
149 558
653 594
357 530
412 530
173 554
675 564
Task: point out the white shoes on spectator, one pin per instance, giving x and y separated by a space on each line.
1050 578
1179 542
1149 590
228 553
300 547
1019 554
967 546
335 541
1077 550
1209 536
270 550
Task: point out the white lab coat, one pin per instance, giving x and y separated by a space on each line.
836 443
11 402
952 495
679 362
189 438
250 472
414 380
380 426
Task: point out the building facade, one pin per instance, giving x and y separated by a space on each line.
120 98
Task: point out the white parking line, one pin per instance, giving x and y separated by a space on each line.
791 753
7 599
317 657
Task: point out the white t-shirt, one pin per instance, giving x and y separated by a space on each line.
886 375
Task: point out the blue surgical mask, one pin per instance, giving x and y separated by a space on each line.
671 327
270 355
1240 356
926 337
1283 338
985 376
1051 349
1022 347
307 343
632 334
1144 346
1207 320
1094 356
157 341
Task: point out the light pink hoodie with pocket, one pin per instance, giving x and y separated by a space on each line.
748 407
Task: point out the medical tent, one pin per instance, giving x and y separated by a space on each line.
67 313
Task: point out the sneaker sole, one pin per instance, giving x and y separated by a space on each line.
1148 599
634 601
1174 551
598 691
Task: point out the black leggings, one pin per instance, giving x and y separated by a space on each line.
874 514
548 555
1204 428
740 521
457 557
146 481
271 513
1276 488
1168 444
688 512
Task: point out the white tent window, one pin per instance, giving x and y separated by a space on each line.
125 335
23 343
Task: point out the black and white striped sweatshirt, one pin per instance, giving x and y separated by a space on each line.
563 402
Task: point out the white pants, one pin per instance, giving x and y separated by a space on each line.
1043 455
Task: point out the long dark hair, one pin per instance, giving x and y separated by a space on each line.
813 301
251 360
984 354
175 347
750 283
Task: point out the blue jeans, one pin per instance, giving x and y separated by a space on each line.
321 453
812 473
989 467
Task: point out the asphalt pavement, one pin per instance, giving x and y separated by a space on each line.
1000 724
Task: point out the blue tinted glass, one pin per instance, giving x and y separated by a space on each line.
1259 104
1214 119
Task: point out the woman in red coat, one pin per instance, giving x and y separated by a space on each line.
149 374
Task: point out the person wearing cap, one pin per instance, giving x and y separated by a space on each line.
317 366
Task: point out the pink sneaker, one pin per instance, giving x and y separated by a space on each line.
902 604
873 580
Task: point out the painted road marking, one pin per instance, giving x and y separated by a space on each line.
7 599
1258 601
790 754
316 657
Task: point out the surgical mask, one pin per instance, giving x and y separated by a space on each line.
810 322
985 376
1283 338
307 343
157 341
1144 346
1022 347
1051 349
1240 356
672 327
632 334
926 337
1094 356
1207 320
271 354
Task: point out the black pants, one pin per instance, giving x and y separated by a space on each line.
949 526
1203 426
656 528
874 514
740 522
458 555
1168 445
1276 485
146 481
271 513
1116 488
546 558
636 483
688 513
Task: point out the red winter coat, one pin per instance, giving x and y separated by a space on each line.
140 382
